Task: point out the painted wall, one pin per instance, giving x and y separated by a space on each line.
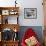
37 29
31 4
27 4
27 22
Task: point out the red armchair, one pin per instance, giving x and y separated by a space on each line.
28 34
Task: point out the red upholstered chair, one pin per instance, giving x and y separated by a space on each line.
29 33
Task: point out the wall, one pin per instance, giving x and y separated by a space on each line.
27 4
28 22
31 4
37 29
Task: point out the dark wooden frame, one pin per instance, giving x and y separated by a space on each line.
29 9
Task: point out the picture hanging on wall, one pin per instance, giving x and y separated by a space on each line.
30 13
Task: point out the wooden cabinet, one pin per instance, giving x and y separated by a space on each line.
9 23
44 36
10 43
6 12
44 7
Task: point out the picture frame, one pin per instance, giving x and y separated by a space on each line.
30 13
5 12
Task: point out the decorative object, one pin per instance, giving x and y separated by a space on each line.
13 12
15 37
15 3
30 13
7 34
15 30
6 21
31 41
5 12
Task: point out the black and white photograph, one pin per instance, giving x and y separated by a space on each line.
30 13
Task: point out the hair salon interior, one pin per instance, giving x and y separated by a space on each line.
22 22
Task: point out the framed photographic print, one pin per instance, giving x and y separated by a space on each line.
30 13
5 12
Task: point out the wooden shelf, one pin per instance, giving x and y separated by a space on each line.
9 43
4 13
11 26
9 8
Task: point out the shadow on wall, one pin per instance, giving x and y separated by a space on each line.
37 29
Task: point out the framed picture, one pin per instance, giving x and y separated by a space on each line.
30 13
5 12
